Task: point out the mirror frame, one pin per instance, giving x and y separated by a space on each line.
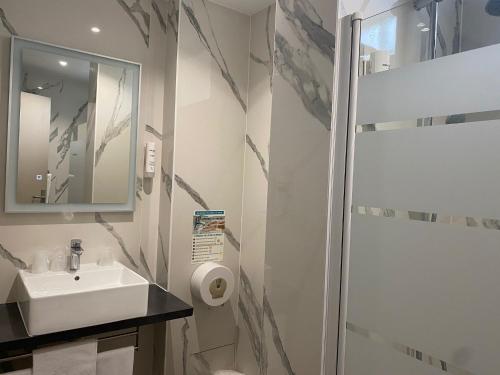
11 165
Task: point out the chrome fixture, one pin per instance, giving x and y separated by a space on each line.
74 258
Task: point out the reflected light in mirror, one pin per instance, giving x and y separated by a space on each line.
95 29
63 63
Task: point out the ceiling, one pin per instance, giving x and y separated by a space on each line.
40 61
245 6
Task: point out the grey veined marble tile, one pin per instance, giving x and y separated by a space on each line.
138 187
297 68
167 180
185 346
100 220
297 65
191 191
16 262
198 199
6 24
173 16
258 154
144 263
163 276
54 117
210 42
199 365
53 134
66 137
309 26
267 60
153 131
277 340
61 189
252 314
115 127
135 10
159 15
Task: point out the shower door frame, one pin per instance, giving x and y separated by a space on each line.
348 43
340 192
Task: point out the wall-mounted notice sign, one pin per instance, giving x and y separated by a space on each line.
208 236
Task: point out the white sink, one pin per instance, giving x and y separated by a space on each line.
59 301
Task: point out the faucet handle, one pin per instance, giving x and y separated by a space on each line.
76 243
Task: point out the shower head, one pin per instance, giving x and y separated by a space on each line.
493 7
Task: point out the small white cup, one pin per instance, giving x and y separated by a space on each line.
106 258
59 260
40 262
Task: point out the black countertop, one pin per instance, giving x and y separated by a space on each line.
162 306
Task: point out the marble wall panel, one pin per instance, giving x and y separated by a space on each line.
130 30
285 116
298 185
213 96
250 355
207 171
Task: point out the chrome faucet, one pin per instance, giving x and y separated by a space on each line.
74 257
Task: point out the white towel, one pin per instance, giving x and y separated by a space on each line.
116 362
19 372
77 358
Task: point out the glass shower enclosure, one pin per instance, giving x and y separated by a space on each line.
421 224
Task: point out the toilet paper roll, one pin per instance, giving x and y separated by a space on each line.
212 283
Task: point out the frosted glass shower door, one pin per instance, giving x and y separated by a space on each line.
423 284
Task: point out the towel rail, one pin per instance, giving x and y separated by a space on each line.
99 339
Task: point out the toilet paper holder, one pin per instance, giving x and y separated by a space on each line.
218 288
212 284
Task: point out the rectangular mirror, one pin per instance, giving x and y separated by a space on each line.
72 130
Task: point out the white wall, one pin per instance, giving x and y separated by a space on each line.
34 124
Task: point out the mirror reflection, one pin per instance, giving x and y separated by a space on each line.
75 122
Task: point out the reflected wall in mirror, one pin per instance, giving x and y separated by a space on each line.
72 130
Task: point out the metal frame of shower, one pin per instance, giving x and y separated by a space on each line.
340 190
348 44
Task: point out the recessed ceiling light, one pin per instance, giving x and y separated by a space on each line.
63 63
95 29
425 29
40 88
420 25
